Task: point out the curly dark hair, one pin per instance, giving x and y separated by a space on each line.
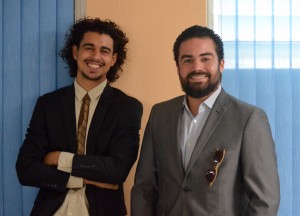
76 33
197 31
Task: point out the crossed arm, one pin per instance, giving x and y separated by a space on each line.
52 158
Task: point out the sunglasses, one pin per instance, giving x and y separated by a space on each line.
217 159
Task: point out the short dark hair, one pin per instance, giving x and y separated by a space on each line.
75 36
197 31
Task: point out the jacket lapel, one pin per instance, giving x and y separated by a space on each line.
211 124
98 117
175 121
68 108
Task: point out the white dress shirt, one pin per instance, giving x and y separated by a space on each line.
191 126
76 203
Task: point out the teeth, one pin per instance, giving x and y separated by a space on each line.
198 76
94 65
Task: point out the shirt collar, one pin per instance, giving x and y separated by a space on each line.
209 102
94 93
212 99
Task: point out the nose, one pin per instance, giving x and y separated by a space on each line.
96 54
197 65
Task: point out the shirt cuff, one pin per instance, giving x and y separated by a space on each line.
75 182
65 161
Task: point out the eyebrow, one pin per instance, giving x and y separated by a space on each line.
92 45
201 55
206 54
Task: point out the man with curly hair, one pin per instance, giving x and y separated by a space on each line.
83 139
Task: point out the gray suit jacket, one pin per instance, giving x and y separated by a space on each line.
247 182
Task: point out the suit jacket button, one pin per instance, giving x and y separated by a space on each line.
186 189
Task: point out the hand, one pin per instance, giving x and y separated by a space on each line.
101 185
51 158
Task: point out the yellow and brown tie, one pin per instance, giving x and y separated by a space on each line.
82 124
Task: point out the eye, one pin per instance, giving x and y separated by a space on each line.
89 48
105 51
188 60
205 59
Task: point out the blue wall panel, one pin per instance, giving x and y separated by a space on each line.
1 111
62 12
284 136
48 51
11 104
30 77
296 141
31 35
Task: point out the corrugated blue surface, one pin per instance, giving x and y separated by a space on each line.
262 68
31 35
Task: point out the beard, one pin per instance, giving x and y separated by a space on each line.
92 78
195 90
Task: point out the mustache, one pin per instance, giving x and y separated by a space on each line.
195 73
95 61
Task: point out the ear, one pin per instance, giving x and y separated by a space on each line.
221 65
114 59
74 51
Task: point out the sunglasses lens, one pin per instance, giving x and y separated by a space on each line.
211 175
218 156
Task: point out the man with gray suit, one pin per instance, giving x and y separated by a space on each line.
205 153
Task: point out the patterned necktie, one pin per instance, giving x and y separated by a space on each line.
82 124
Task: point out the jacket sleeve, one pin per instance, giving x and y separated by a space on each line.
144 194
30 168
259 165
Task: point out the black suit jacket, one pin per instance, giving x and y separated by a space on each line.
112 148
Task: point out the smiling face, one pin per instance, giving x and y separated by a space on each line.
94 58
198 67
